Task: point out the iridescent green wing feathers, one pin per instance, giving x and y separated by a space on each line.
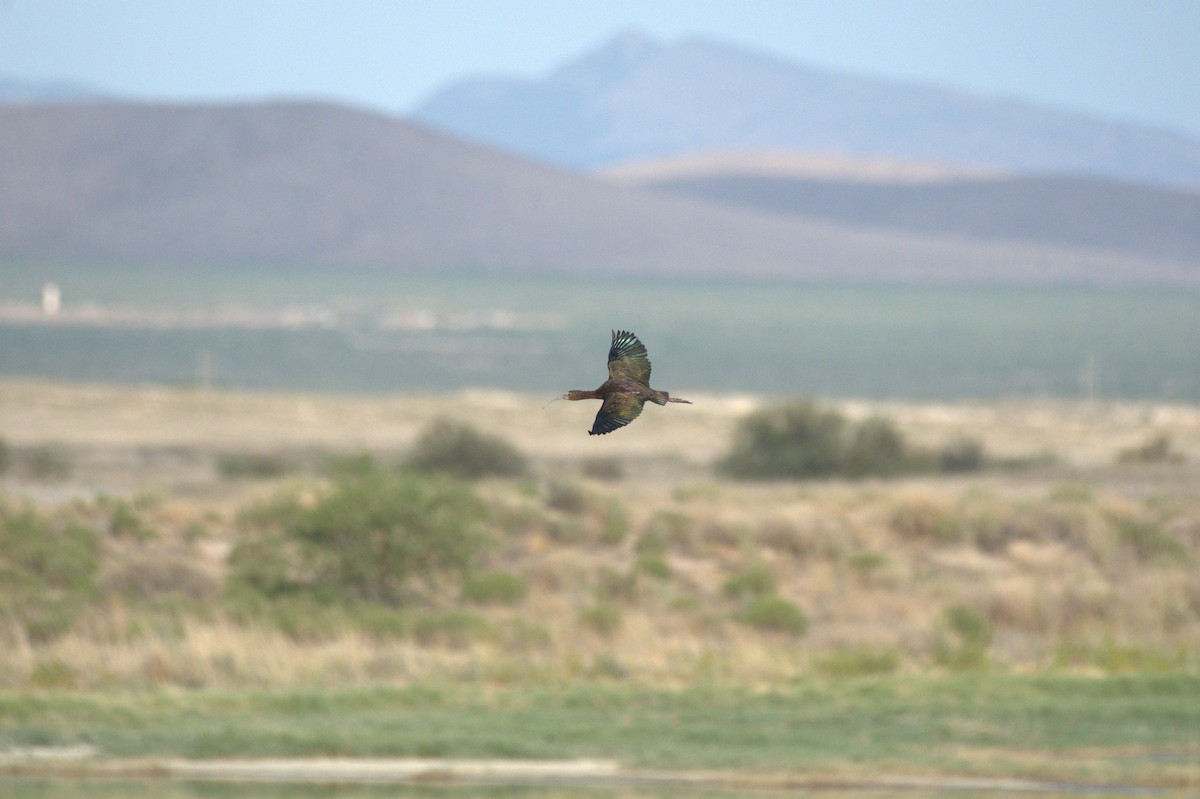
627 359
618 410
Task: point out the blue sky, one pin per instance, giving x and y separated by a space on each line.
1134 60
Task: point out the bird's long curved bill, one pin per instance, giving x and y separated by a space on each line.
555 399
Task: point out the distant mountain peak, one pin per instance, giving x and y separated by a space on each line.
634 97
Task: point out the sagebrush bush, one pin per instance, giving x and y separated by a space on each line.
802 440
604 618
963 638
47 570
775 614
793 440
462 450
1155 449
494 588
754 581
376 537
876 448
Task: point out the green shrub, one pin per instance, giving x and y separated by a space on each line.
963 638
926 518
1156 449
859 662
963 455
616 524
755 581
253 465
775 614
494 588
460 449
876 449
47 463
793 440
566 497
866 563
801 440
602 617
371 538
651 565
610 469
125 522
454 629
1146 538
47 571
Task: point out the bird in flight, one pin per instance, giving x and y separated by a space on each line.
627 387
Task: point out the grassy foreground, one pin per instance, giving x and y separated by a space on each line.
1130 730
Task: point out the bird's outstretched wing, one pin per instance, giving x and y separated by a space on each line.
627 359
618 410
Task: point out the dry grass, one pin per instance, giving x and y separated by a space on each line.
1074 562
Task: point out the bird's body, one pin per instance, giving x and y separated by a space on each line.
627 388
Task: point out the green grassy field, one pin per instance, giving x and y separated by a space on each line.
760 338
1136 730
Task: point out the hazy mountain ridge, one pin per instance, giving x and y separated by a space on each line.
14 91
636 98
1058 210
318 184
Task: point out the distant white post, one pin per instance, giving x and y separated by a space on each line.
51 299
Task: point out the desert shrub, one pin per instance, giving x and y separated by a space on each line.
754 581
47 462
462 450
963 638
252 465
652 542
454 629
793 440
1115 658
1155 449
126 522
1146 538
962 455
47 571
565 497
775 614
616 524
859 662
782 535
494 588
611 469
652 565
154 572
865 564
607 666
925 518
370 538
6 456
615 586
802 440
348 464
602 617
876 449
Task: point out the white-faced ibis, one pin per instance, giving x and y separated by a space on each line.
627 387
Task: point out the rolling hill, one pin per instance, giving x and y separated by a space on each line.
325 185
636 98
1057 210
